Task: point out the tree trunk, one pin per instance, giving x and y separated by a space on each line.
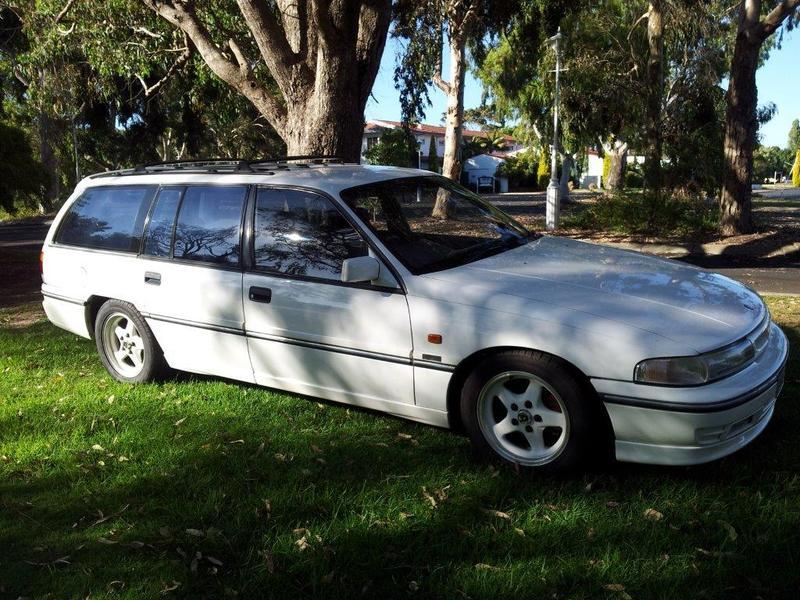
330 122
47 154
618 155
741 128
655 93
567 161
454 120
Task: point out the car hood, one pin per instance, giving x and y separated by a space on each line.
688 305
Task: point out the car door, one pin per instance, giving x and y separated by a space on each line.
307 331
191 277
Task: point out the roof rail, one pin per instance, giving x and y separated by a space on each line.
224 165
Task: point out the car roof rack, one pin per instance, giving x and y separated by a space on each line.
263 166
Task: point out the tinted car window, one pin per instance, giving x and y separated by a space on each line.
158 238
208 224
302 233
107 218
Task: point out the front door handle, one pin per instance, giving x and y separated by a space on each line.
260 294
152 278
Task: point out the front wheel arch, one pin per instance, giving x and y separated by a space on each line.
468 364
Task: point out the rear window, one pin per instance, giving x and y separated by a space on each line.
107 218
209 222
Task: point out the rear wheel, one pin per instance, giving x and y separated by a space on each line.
530 410
126 344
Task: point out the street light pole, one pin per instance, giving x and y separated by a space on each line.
553 207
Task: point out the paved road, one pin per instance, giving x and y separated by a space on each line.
764 276
28 233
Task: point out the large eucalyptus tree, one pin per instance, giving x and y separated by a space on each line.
757 22
321 60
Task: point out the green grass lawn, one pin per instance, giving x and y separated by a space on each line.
205 488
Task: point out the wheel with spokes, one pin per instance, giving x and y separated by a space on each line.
126 344
530 410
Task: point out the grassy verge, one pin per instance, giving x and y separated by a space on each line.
204 488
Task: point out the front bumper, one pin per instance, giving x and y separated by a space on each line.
687 426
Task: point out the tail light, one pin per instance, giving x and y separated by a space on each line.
41 263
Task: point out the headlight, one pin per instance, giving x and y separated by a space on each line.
696 370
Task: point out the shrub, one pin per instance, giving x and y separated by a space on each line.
633 212
520 170
796 170
433 157
394 148
633 180
543 171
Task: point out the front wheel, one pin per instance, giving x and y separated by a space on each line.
126 345
530 410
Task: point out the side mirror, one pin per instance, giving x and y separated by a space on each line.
361 268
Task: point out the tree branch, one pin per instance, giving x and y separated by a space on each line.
271 41
64 11
374 16
244 66
186 20
186 54
776 16
327 31
437 79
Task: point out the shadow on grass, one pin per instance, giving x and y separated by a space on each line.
257 494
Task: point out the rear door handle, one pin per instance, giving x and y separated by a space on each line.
152 278
260 294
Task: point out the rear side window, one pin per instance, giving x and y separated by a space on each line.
107 218
158 238
302 233
209 222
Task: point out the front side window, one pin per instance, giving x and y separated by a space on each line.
158 238
107 218
302 233
208 224
431 224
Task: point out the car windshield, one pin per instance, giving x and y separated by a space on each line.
431 224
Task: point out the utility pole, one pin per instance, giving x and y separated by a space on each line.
553 207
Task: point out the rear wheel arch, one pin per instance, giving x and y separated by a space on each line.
467 365
93 305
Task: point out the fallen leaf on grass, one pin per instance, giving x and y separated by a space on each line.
428 497
496 513
612 504
614 587
179 422
170 587
653 515
302 544
485 567
195 532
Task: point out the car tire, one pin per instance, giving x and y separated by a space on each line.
532 411
127 347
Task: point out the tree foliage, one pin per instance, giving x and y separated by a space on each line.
395 147
794 136
22 177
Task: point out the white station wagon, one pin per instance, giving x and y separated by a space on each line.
397 290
